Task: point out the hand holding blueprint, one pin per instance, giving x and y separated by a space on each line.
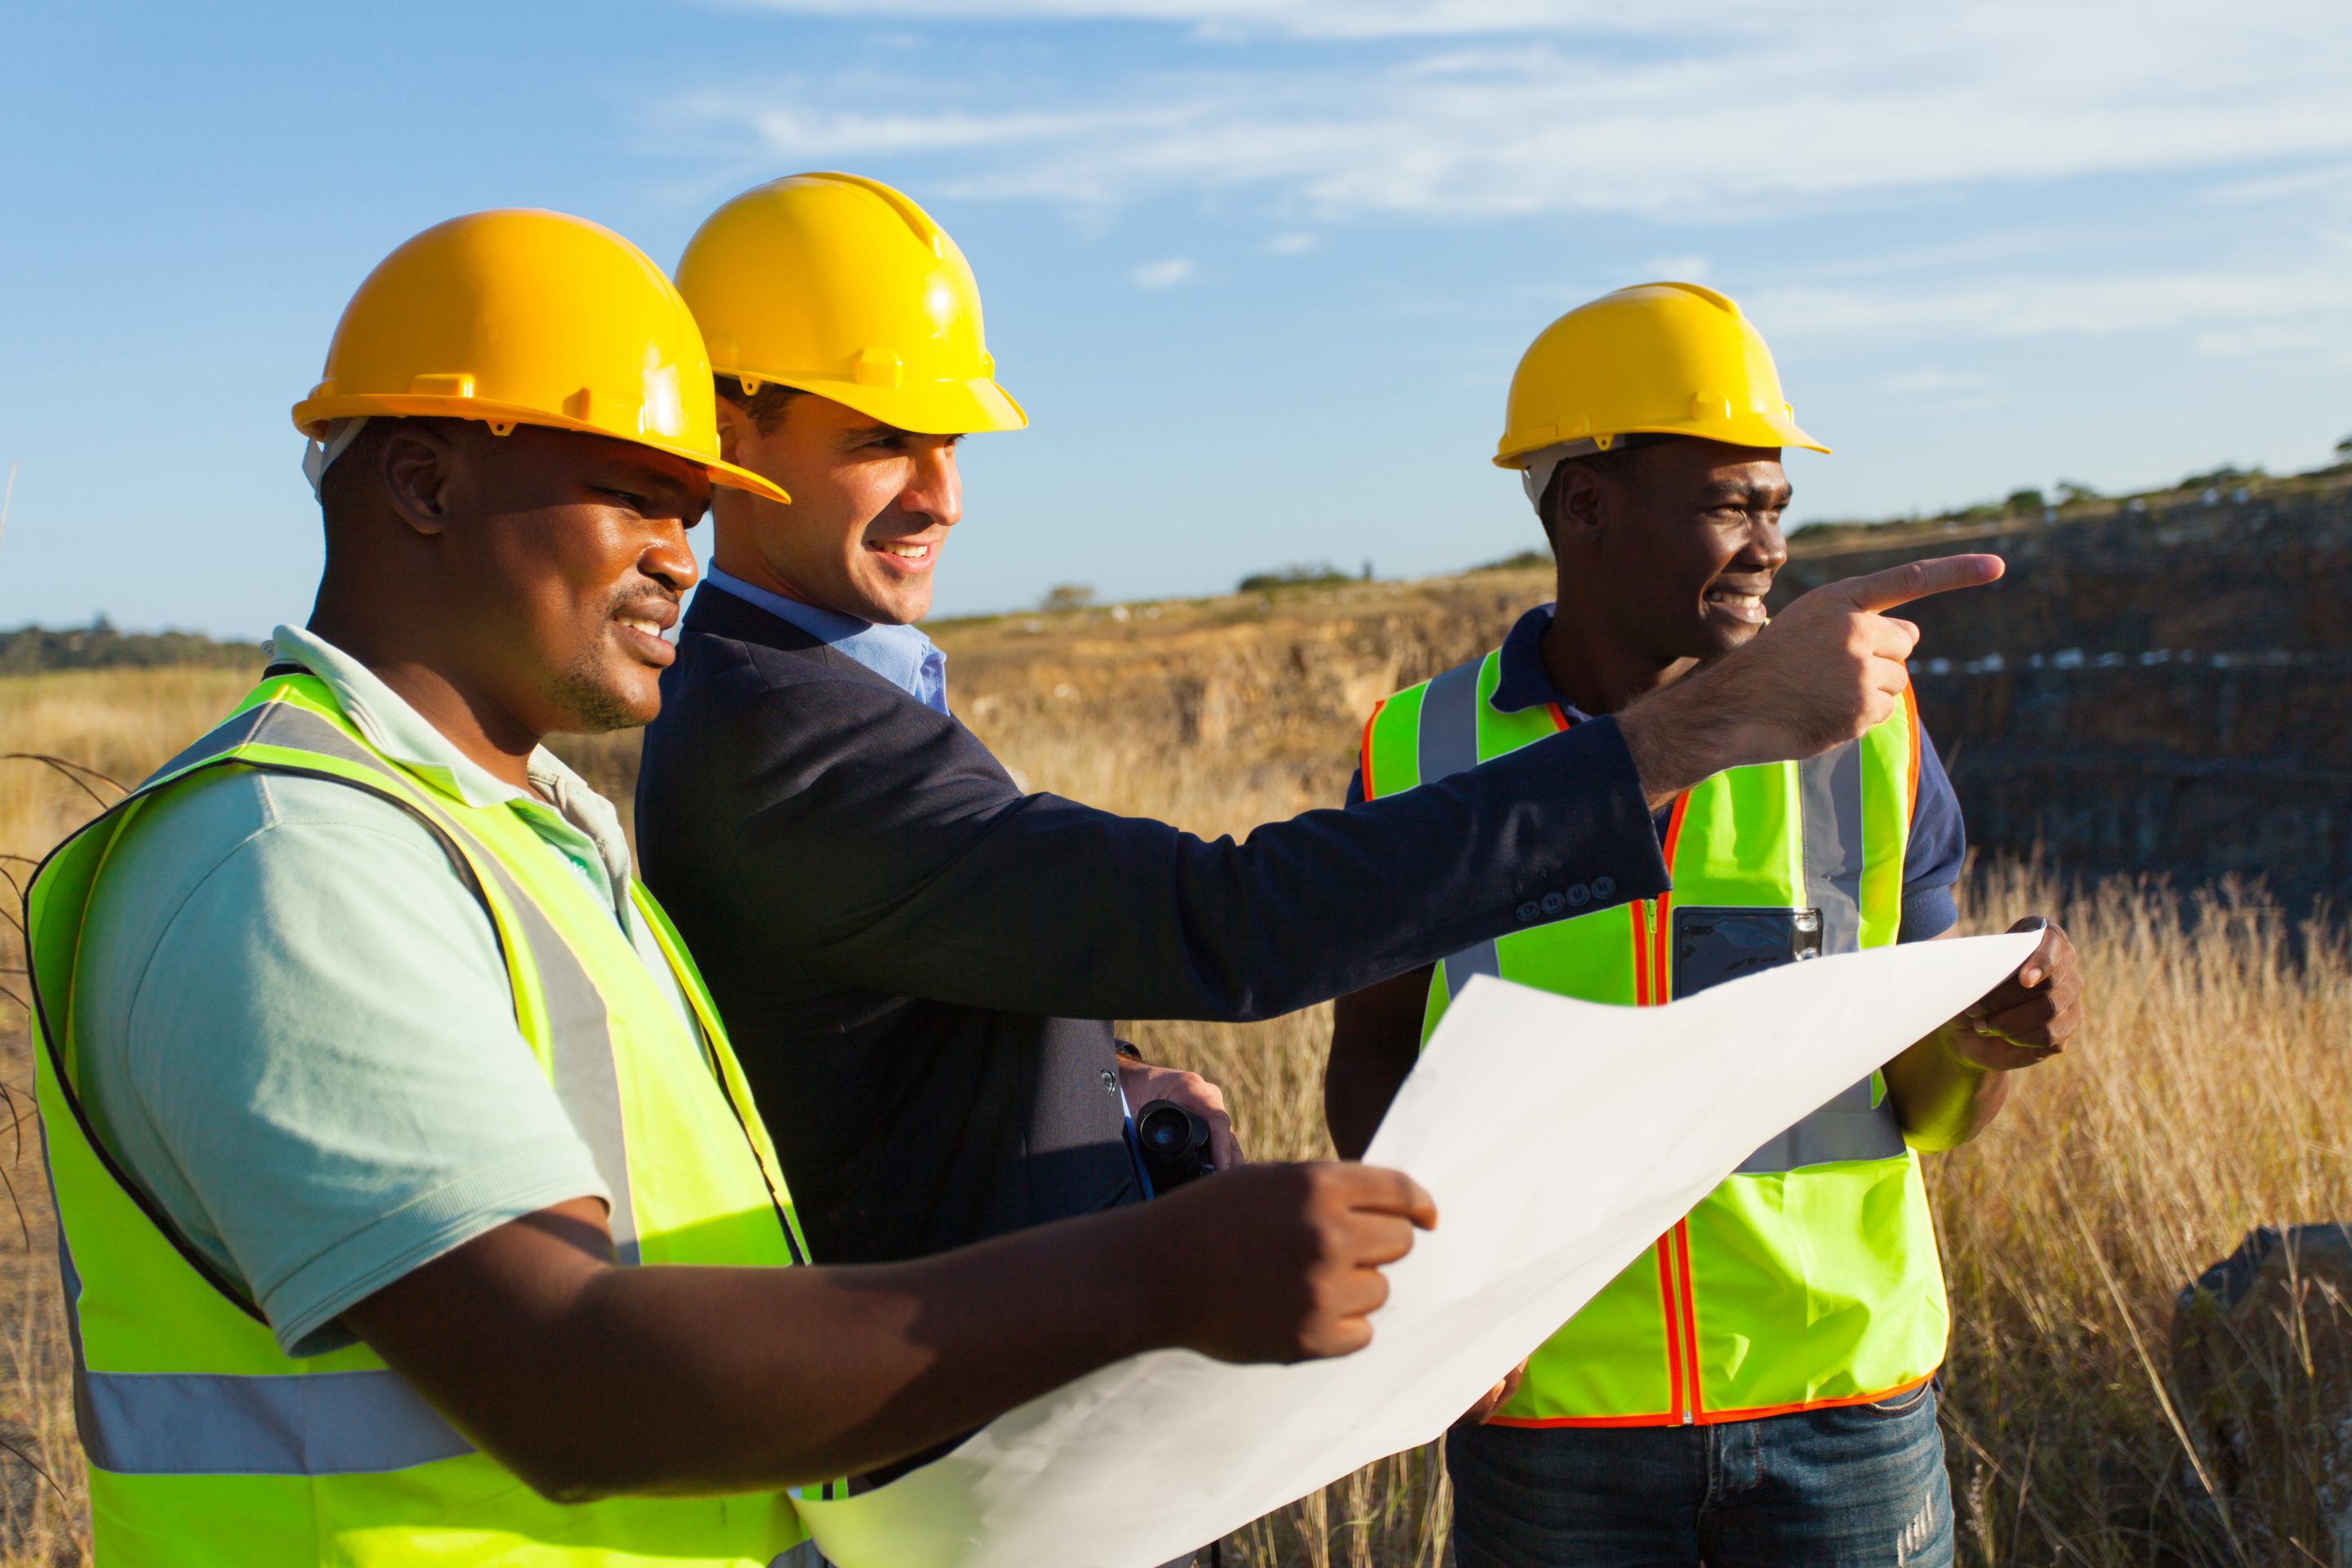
1559 1138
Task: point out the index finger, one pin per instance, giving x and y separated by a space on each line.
1917 579
1379 1190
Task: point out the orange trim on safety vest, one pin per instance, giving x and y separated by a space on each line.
1639 910
1712 1418
1911 777
1673 1350
1364 756
1558 716
1695 1408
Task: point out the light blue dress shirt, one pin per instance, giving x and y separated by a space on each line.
902 656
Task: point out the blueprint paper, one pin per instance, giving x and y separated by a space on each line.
1559 1138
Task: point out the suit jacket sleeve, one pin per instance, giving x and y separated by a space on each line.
884 847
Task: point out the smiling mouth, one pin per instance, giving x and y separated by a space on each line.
905 551
645 624
1739 605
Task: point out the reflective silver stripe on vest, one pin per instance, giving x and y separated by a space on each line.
1481 959
291 1423
580 1036
1828 795
187 1424
1448 740
1446 744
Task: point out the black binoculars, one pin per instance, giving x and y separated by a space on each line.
1174 1141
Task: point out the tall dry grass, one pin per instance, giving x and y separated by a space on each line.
2210 1092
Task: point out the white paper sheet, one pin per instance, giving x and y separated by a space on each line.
1559 1138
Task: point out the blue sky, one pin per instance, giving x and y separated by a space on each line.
1259 271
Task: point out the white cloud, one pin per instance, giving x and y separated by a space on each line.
1296 242
1163 274
2313 306
1931 378
1678 268
1790 103
1300 18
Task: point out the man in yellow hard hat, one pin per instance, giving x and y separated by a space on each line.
413 1204
1756 1390
920 959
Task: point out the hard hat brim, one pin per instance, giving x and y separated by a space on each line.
1747 428
312 414
928 408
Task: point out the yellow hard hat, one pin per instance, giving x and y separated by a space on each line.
1670 358
523 316
842 286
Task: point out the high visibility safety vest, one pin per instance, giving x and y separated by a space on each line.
1810 1277
209 1445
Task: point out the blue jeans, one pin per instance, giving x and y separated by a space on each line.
1859 1486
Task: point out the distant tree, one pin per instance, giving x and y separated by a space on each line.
1067 596
2227 474
1524 561
32 649
2343 447
2023 501
2071 491
1311 574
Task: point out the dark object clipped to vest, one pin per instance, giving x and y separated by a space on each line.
1174 1142
2262 1364
1713 944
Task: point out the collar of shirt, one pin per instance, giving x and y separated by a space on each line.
902 656
402 733
1523 682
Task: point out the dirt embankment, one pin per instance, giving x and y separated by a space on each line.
2159 686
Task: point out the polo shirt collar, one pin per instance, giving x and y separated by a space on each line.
1523 682
399 733
902 656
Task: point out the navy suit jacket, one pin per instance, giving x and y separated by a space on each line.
918 962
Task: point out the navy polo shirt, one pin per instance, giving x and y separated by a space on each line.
1931 861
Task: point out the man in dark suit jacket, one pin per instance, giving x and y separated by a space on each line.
919 961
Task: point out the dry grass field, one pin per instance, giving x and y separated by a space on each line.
2211 1094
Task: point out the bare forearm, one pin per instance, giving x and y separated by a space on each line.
715 1380
1941 1100
879 1362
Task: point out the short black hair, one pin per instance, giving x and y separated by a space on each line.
766 406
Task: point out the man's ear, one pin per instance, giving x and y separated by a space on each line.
421 468
733 424
1577 506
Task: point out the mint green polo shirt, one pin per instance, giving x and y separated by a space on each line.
297 1031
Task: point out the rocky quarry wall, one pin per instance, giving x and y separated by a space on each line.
2161 687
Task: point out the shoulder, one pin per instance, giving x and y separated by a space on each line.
742 703
213 865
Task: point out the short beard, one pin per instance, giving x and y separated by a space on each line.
589 706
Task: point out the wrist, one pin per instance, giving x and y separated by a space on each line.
1954 1038
1150 1276
1679 738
